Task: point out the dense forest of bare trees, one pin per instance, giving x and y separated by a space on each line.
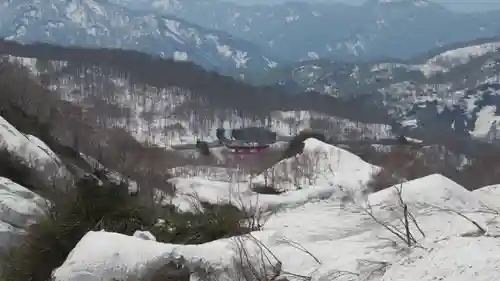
99 123
209 88
70 129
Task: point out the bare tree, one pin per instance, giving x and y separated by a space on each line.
406 235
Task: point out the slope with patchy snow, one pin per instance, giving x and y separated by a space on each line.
166 116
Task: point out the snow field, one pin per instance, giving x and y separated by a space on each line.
314 232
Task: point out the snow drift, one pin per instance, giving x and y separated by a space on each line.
321 171
320 164
339 238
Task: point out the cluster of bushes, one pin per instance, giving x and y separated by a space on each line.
404 164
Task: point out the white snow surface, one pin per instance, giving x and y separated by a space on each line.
486 118
321 171
450 58
319 165
490 195
342 235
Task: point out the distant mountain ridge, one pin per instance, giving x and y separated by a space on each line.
100 23
299 31
453 88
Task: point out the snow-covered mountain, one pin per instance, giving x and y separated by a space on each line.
296 31
99 23
452 88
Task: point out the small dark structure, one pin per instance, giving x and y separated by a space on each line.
221 134
402 140
247 140
296 144
203 148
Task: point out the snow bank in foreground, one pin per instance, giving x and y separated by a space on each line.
452 259
490 195
191 191
342 237
320 164
427 191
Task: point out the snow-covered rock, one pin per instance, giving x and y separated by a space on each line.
104 256
19 208
33 152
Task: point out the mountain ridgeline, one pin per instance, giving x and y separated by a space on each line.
241 40
296 31
99 23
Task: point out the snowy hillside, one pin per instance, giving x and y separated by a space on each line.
315 233
454 88
301 31
169 116
97 23
318 165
